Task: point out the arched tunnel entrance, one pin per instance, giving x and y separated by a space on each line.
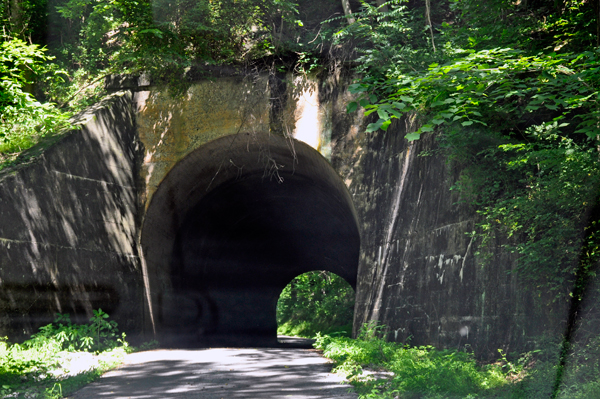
230 226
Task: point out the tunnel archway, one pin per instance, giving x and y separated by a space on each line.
229 227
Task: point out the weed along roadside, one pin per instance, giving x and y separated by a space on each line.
61 357
389 370
64 359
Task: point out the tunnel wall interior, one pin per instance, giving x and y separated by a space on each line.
68 237
232 245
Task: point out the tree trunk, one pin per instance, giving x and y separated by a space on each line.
348 11
15 19
597 12
428 15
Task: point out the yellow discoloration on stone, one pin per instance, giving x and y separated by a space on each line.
171 128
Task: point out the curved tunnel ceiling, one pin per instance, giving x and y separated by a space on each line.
232 224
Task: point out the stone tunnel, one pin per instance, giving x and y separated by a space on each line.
184 218
231 225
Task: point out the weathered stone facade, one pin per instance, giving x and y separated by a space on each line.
106 207
418 272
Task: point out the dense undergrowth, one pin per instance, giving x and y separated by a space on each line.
61 357
388 370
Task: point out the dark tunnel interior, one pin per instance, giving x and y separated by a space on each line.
241 244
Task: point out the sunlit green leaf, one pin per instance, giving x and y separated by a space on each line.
412 136
372 127
383 114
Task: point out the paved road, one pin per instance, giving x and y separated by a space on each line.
227 373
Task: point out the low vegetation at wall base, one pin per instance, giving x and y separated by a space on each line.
386 370
60 358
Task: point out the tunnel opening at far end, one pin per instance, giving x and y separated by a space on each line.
221 243
315 302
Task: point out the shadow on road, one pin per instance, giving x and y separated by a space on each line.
221 373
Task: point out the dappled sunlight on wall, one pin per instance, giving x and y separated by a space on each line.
305 117
69 225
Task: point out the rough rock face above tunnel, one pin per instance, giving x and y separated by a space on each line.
170 128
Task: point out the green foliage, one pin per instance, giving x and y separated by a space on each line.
385 39
531 25
165 37
24 119
24 19
381 369
518 104
314 302
583 366
98 335
89 39
536 197
503 88
33 368
411 371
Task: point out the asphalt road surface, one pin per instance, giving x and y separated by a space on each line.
227 373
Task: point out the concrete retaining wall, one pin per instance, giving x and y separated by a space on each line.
68 239
71 218
418 273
